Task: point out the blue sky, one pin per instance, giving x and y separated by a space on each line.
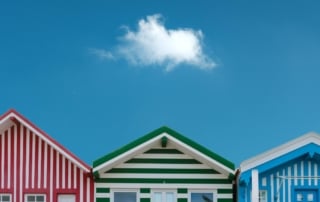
238 77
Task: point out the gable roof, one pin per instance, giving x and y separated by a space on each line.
294 146
13 117
163 134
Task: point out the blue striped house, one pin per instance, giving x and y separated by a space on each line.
163 166
288 173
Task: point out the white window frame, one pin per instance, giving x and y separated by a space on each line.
26 197
266 194
124 190
213 191
5 194
164 191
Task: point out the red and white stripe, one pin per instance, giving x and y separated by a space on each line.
29 163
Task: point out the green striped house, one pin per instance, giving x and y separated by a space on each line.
163 166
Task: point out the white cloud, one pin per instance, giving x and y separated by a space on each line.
153 44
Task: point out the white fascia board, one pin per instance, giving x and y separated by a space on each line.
280 150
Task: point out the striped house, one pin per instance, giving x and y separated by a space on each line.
163 166
288 173
36 168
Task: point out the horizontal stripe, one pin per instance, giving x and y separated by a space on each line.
145 195
163 175
182 195
182 191
224 195
225 191
150 170
145 190
165 186
102 195
163 156
169 181
171 161
102 190
169 166
163 151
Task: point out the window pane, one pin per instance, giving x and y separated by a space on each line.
299 197
31 198
310 197
157 197
125 197
201 197
5 198
40 198
169 197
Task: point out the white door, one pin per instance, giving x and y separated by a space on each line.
66 198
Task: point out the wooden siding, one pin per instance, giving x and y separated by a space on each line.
160 168
281 181
29 165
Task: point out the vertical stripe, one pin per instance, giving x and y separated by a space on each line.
27 159
88 189
51 174
277 186
316 174
2 160
39 162
63 172
74 176
84 187
45 168
272 190
9 158
15 166
60 170
289 184
302 173
57 169
295 173
22 135
309 173
69 174
284 182
81 186
42 166
33 160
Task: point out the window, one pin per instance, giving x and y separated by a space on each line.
163 196
5 198
201 197
263 196
66 198
124 196
35 198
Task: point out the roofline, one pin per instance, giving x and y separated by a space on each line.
278 151
99 163
56 145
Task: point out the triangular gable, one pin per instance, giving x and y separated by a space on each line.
163 136
297 147
13 117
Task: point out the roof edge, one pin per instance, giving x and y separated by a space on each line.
164 129
11 113
307 138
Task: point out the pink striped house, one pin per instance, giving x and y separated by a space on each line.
36 168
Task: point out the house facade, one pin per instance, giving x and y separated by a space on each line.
163 166
288 173
36 168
